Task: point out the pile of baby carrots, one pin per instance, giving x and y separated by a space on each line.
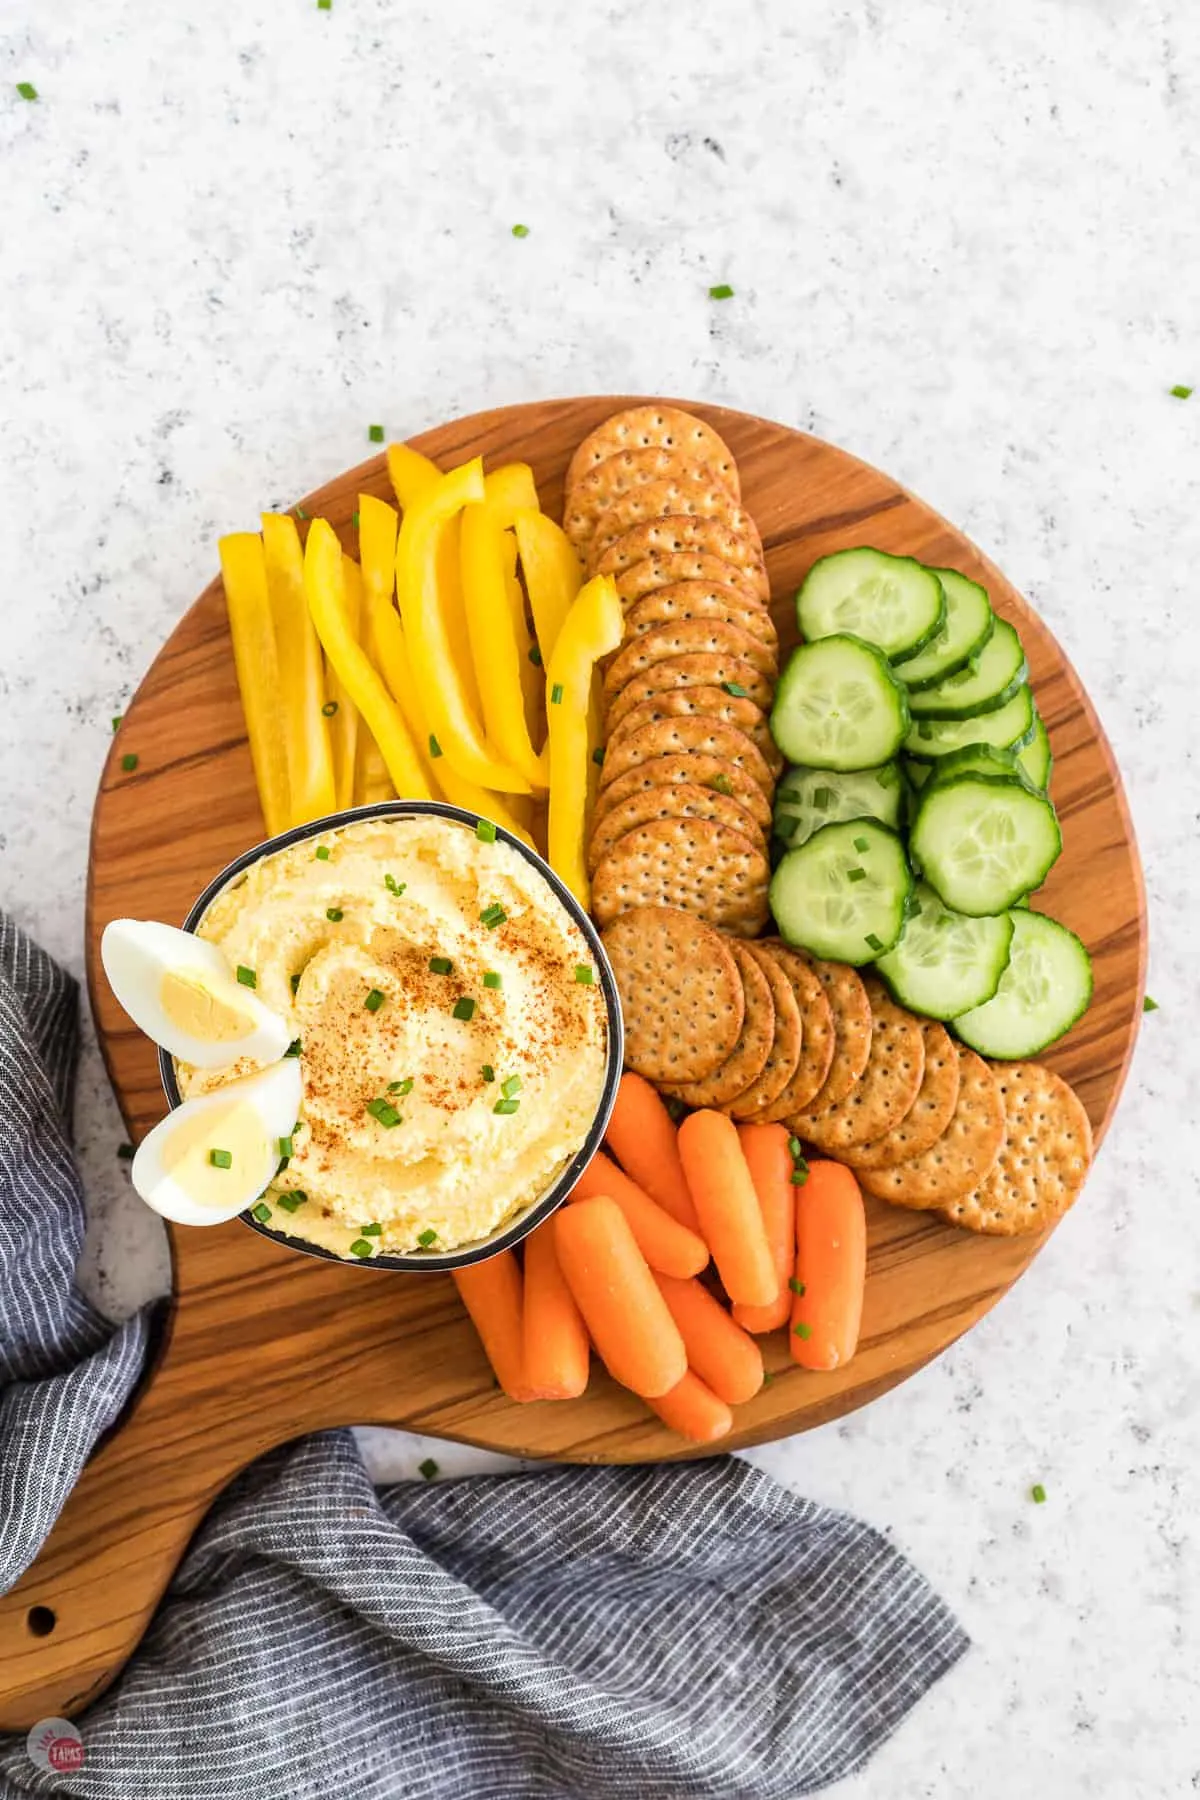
618 1268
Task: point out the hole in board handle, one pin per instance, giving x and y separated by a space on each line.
41 1620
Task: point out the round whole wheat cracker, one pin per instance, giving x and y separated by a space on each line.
749 1055
961 1157
850 1011
667 568
930 1113
705 771
1042 1163
678 800
681 994
600 489
786 1044
884 1091
676 638
680 531
741 680
654 427
684 600
697 865
677 736
670 498
708 703
816 1049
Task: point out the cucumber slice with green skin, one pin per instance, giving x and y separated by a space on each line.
981 842
839 706
1045 988
978 759
1034 758
968 626
844 894
893 602
807 799
1008 728
986 683
946 962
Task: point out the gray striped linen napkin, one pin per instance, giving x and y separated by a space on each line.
683 1632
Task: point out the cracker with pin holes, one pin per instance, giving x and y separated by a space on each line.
681 994
672 497
698 768
929 1114
690 600
712 703
748 1058
666 568
654 427
673 638
677 800
1042 1163
696 864
850 1011
708 669
785 1045
599 490
958 1161
677 736
884 1091
817 1043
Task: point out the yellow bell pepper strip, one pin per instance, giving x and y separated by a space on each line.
301 684
371 779
345 727
389 653
553 574
595 736
378 524
593 627
494 640
532 681
244 569
510 489
455 727
325 590
411 473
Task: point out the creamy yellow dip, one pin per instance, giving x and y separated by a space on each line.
325 936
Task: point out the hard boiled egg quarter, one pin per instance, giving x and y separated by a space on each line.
213 1156
182 993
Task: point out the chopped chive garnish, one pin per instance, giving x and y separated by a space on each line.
485 831
401 1087
324 5
862 845
924 729
795 1148
556 694
435 749
291 1202
428 1469
1149 1005
791 796
117 717
488 1073
675 1108
598 756
506 1106
722 291
856 874
1178 392
261 1212
374 1000
535 656
384 1111
300 512
329 708
286 1146
493 915
875 943
823 799
125 1152
520 231
510 1085
585 975
440 965
736 689
914 908
886 777
786 827
427 1237
722 784
393 886
322 852
354 521
797 1287
375 433
799 1171
221 1159
492 979
246 976
464 1007
334 914
129 762
371 1230
803 1331
27 90
362 1247
1037 1494
293 1048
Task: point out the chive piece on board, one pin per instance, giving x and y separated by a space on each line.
797 1287
129 762
117 717
556 694
435 749
598 756
803 1331
535 656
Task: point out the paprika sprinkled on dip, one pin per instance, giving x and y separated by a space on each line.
453 1060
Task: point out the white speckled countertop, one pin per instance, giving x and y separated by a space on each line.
964 244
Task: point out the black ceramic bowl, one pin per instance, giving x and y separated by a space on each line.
510 1233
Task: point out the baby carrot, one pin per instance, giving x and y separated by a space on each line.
718 1351
491 1293
694 1411
727 1207
665 1244
641 1133
765 1148
831 1267
554 1334
626 1315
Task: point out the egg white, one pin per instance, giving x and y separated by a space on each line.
138 953
170 1179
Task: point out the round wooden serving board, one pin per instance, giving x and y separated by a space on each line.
264 1344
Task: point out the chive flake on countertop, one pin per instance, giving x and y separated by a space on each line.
246 976
736 689
874 943
393 886
435 749
384 1111
493 915
464 1008
862 845
300 512
117 718
354 520
584 974
856 874
371 1230
1179 392
286 1146
598 756
506 1106
427 1237
329 708
556 694
126 1152
1037 1494
440 965
261 1212
722 291
488 1073
401 1087
129 762
361 1246
322 852
535 656
520 231
428 1469
485 831
375 433
221 1159
374 1000
324 5
510 1085
291 1202
334 914
1149 1005
293 1048
797 1287
491 979
803 1332
27 90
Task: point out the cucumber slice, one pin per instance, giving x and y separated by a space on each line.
946 962
982 843
892 602
986 683
1045 988
844 894
807 799
838 706
978 759
968 626
1034 758
1008 728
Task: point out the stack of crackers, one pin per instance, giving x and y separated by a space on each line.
683 813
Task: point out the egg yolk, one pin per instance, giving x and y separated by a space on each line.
235 1133
191 1006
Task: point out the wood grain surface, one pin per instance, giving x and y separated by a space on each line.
262 1344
